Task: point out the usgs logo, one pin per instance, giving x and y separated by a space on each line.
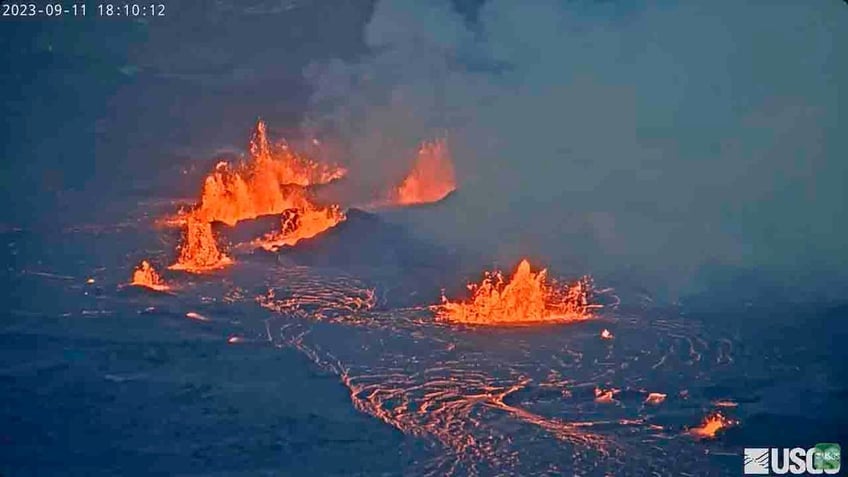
821 459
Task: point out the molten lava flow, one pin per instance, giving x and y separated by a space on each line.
198 251
527 298
606 334
711 425
145 276
298 224
431 178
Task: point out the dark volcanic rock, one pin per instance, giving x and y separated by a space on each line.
246 230
410 270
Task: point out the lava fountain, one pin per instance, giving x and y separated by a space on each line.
287 166
146 276
432 176
199 251
272 181
526 298
711 425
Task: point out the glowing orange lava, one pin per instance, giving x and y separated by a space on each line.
145 276
527 298
655 398
431 178
199 251
711 425
272 181
196 316
725 403
605 396
606 334
299 224
289 167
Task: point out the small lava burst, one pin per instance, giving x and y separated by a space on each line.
655 398
711 425
196 316
432 176
526 298
199 251
606 334
146 276
605 396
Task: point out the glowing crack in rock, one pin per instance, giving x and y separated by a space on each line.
199 251
525 298
711 425
146 276
606 334
432 176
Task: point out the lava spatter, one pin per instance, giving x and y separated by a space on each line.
711 425
146 276
525 298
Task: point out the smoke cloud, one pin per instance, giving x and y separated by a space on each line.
611 138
